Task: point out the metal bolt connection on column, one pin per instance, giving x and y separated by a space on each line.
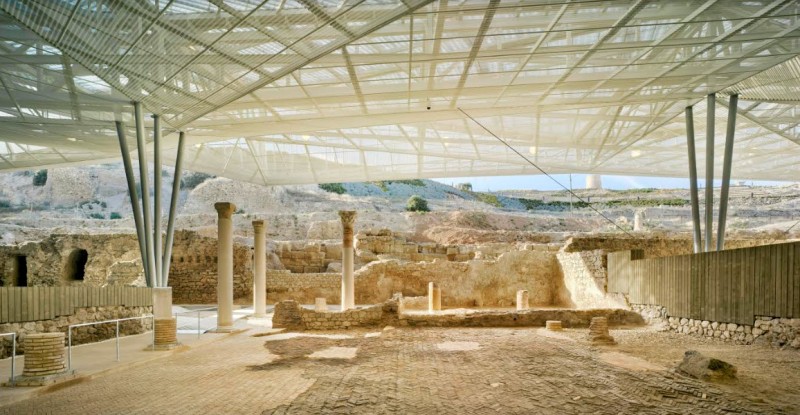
173 208
726 171
132 192
157 200
709 170
140 140
693 180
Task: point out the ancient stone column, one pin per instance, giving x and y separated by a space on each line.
320 304
166 335
348 282
522 300
434 297
224 266
260 272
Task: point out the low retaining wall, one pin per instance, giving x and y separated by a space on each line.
290 315
776 331
304 288
80 335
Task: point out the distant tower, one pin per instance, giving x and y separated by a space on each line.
594 182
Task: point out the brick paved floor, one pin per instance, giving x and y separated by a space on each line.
514 371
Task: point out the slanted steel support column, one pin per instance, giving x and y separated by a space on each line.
137 210
173 208
157 199
726 171
140 141
693 180
709 170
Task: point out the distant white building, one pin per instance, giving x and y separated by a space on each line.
594 181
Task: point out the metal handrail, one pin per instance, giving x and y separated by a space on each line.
13 354
69 331
198 316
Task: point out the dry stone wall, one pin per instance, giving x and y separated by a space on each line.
778 332
304 288
308 257
80 335
385 244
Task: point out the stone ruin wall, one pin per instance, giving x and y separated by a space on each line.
112 259
80 335
774 331
291 315
193 271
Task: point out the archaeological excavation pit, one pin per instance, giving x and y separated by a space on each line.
399 207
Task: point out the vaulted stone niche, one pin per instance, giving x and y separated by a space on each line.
75 268
20 271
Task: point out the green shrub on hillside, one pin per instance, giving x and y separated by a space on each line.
417 204
40 178
114 216
333 188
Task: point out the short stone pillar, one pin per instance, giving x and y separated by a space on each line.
434 297
348 218
166 335
260 271
224 266
598 331
638 221
553 325
522 300
45 361
320 304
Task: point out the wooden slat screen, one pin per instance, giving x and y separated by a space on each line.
728 286
21 304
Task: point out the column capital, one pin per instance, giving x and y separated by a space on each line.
224 209
348 217
258 225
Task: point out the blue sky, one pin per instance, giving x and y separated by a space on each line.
541 182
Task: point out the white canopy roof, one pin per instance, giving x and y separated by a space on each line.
285 91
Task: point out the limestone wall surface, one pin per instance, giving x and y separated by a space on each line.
473 283
80 335
585 279
48 261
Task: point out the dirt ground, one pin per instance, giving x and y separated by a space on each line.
435 371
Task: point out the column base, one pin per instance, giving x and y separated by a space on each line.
23 381
223 329
166 334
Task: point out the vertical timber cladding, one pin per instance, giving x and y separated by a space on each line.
728 286
20 304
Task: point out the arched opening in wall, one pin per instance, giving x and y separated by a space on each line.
75 269
21 271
